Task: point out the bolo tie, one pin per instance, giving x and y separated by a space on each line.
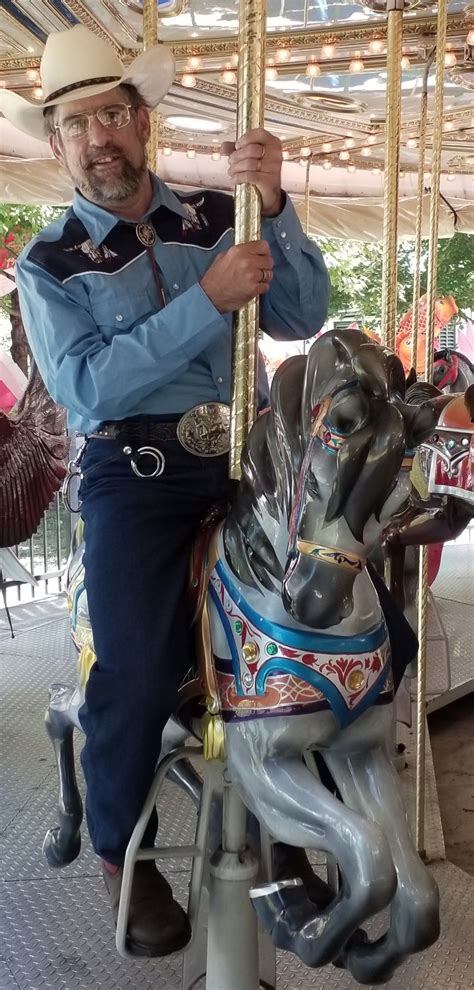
146 234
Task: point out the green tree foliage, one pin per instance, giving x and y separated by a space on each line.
355 268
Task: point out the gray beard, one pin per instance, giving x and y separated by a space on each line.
115 190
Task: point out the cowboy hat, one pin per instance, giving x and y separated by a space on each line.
76 63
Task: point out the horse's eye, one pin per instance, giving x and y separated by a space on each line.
349 411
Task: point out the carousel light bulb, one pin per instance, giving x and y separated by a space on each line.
356 64
405 62
349 143
372 139
188 80
191 153
448 125
271 73
327 164
216 156
32 74
365 152
313 70
235 59
470 37
412 143
351 168
376 171
37 92
376 46
427 176
283 55
286 155
450 176
228 76
305 151
450 59
304 162
327 146
328 51
194 62
167 151
344 156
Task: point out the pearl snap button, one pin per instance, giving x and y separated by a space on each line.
220 380
119 317
283 234
176 286
288 247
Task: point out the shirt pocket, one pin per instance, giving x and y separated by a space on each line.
120 315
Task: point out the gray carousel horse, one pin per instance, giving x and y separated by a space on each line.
301 655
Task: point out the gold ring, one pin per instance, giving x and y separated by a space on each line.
265 275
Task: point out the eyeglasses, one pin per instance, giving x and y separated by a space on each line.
113 117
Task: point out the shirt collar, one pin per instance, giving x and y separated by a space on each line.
99 222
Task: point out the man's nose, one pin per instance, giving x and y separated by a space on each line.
98 134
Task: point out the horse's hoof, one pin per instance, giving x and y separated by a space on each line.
57 853
358 938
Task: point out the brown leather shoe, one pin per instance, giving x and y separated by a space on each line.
157 925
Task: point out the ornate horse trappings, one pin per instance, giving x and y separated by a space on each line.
301 654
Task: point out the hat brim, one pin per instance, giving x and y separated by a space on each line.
152 73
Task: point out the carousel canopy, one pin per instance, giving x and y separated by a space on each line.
326 72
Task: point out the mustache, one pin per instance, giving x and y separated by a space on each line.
103 153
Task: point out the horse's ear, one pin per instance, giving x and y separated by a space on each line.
370 365
411 378
469 401
396 375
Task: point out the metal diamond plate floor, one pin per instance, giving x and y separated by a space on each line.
54 927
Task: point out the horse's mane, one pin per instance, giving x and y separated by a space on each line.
273 455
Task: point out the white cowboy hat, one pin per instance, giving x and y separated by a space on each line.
76 63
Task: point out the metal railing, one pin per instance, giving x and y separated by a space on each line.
44 555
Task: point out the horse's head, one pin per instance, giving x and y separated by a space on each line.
356 431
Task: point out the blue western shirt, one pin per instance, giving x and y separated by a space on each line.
106 346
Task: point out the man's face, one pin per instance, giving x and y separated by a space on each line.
108 166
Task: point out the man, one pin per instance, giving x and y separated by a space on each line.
127 301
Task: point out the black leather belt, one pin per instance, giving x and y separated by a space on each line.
202 430
139 430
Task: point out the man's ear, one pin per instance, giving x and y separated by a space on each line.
55 145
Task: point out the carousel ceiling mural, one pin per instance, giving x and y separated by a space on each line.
326 73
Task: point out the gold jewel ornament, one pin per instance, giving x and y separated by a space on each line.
205 429
356 680
146 234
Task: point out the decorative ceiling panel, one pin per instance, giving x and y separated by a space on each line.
318 95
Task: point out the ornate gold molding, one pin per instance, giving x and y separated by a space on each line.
414 28
14 46
123 24
88 20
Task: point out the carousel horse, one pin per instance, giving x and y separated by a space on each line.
298 657
442 503
452 371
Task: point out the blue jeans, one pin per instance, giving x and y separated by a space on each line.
138 535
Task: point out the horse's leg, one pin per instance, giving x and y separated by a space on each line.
62 843
295 808
368 783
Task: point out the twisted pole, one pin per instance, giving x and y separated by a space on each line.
419 210
250 114
430 321
150 38
392 168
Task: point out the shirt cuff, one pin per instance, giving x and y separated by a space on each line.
284 230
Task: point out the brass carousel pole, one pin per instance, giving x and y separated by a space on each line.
150 38
250 103
233 946
430 320
419 209
392 167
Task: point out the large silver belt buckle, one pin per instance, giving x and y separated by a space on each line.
205 429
